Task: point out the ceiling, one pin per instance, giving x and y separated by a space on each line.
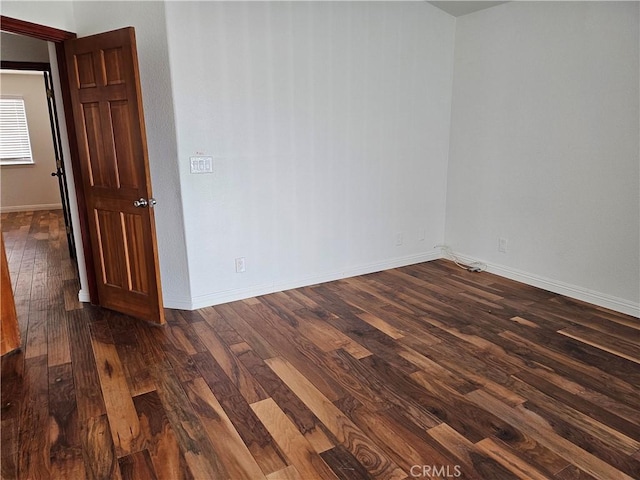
458 9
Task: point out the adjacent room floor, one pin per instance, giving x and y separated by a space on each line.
426 371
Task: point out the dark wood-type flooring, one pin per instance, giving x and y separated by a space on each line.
426 371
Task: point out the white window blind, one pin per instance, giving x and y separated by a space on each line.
15 147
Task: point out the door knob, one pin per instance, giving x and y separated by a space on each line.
142 202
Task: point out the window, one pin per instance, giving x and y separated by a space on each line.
15 147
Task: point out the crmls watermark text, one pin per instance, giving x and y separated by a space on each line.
441 471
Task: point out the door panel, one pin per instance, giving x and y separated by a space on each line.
107 106
9 330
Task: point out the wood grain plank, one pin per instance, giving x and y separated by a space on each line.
182 333
413 365
255 436
470 460
581 371
540 430
137 466
401 443
618 346
69 467
65 449
37 332
200 456
378 394
363 284
345 465
347 321
307 323
233 451
512 462
161 443
306 422
429 367
237 315
12 396
287 473
251 390
33 453
351 437
123 419
598 406
136 367
539 390
222 328
585 432
291 442
573 473
85 374
58 347
386 308
381 325
305 356
454 410
100 459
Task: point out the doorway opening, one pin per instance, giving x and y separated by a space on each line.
73 190
104 118
44 69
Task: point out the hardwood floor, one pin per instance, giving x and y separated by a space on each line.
426 371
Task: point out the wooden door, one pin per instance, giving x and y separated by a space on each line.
9 330
108 115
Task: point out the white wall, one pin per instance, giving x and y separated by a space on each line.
50 13
148 18
544 146
329 123
18 48
86 18
30 187
329 127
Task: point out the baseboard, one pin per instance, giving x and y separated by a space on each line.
178 303
83 296
30 208
265 289
596 298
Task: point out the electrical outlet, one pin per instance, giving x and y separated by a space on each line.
240 265
502 244
399 239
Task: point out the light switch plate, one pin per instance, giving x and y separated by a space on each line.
201 164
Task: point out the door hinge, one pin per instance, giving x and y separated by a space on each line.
49 93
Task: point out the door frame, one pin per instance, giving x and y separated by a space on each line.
45 69
57 36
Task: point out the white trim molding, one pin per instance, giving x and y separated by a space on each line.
568 290
185 303
83 296
31 208
226 296
579 293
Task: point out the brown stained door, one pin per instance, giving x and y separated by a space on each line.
107 109
9 330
